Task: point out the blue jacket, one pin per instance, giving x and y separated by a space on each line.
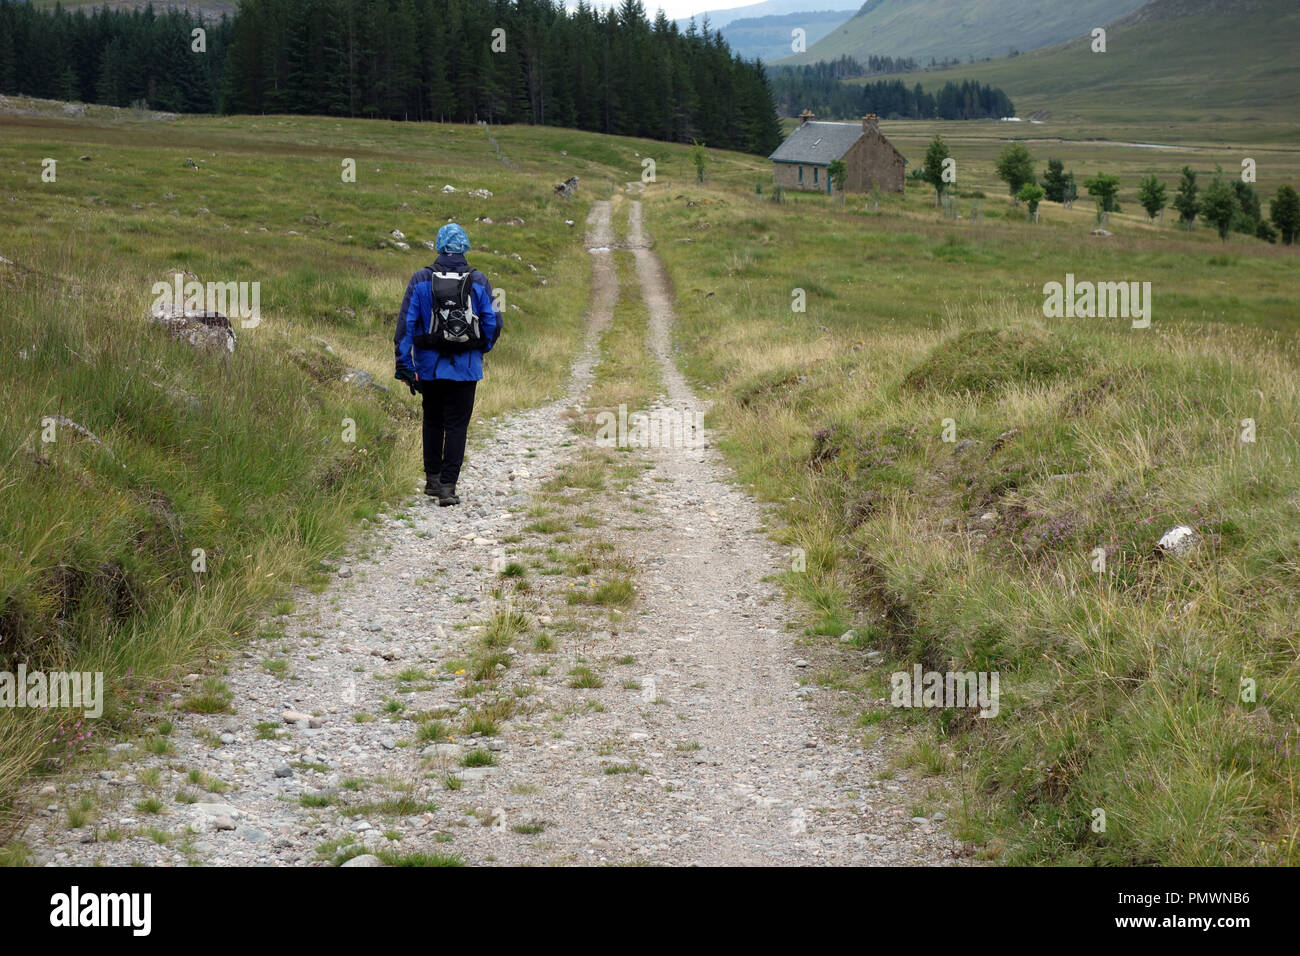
413 320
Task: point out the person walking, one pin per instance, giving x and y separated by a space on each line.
444 328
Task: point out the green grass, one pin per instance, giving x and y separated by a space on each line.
478 757
616 592
584 678
211 697
393 858
1120 690
242 457
433 731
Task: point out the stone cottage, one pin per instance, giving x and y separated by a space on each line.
802 161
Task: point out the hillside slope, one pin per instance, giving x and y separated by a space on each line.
766 8
769 38
961 28
1170 60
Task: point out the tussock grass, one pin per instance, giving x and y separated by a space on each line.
242 456
1120 691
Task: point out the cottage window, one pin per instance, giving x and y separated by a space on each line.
800 175
814 175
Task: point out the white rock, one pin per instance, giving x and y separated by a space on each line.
1178 541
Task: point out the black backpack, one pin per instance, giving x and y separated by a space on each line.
453 326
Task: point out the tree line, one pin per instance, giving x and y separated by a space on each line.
828 96
117 58
503 61
846 67
1228 204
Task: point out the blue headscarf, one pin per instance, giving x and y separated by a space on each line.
452 238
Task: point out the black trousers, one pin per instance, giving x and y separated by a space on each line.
447 409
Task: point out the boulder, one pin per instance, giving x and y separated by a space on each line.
359 376
208 331
1178 541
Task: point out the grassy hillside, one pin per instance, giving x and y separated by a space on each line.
1201 61
1121 689
960 28
243 457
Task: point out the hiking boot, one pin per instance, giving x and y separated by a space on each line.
432 486
447 496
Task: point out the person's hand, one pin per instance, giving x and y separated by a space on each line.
409 376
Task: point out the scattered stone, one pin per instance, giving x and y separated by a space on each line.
365 859
1102 232
449 189
388 743
568 187
293 717
359 376
227 738
345 571
800 662
205 331
1178 541
284 770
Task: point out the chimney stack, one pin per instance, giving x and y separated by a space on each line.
805 116
869 122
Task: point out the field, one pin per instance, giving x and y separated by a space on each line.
1070 435
1160 691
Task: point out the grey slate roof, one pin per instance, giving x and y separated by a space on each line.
817 143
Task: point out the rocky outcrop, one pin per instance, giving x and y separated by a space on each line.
206 331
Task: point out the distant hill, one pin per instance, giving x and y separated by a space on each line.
1169 60
768 8
961 28
769 38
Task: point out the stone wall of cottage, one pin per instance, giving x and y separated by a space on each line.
871 160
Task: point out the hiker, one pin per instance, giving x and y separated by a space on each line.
448 321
